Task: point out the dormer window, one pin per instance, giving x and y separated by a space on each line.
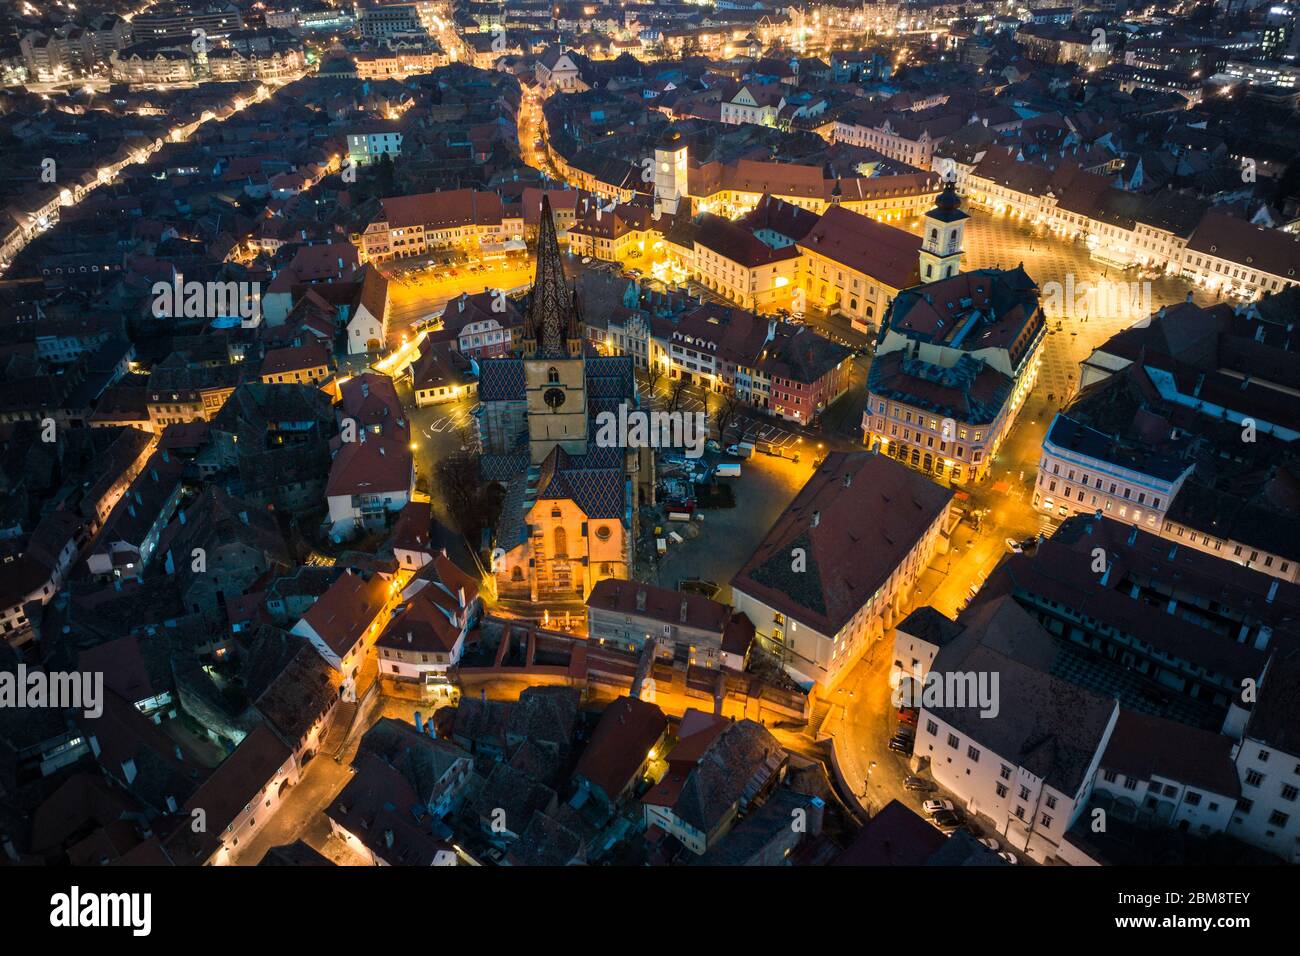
552 375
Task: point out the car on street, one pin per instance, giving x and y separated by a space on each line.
907 715
937 806
946 820
919 784
1008 858
586 259
712 445
1014 546
900 747
989 842
905 731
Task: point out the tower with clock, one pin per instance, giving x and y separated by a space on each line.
555 379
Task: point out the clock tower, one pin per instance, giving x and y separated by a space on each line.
555 377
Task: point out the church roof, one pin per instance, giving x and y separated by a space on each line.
552 318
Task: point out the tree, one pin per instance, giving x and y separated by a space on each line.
653 376
460 487
725 418
675 393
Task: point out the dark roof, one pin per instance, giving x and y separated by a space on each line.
659 604
297 853
627 730
863 531
1143 745
733 766
896 836
1054 729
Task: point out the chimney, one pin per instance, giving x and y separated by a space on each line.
816 812
180 754
1272 591
640 599
1263 635
410 638
816 518
685 608
388 839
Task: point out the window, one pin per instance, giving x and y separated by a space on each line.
1193 799
1254 778
1289 792
1024 793
1051 802
953 741
1264 755
931 727
973 753
1278 819
1110 776
1005 773
1045 820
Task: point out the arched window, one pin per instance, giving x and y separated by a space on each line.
934 234
561 542
553 375
516 573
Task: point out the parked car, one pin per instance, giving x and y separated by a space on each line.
989 842
900 746
907 715
1008 857
936 806
586 259
1014 546
919 784
905 731
946 820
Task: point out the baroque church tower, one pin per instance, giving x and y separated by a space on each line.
555 379
942 243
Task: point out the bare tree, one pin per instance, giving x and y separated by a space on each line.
725 417
461 486
653 376
676 392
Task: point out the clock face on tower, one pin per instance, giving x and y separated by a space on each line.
553 397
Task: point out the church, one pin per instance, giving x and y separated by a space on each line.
569 517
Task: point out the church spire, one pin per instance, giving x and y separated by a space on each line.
551 325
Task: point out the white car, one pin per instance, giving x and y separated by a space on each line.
935 806
989 842
1007 857
1014 546
586 259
